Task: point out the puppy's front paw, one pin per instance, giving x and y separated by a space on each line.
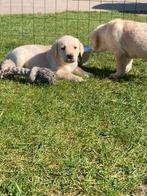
78 79
87 75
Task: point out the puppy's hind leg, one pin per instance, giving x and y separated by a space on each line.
123 63
6 67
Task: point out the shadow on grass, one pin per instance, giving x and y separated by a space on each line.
105 73
23 80
98 73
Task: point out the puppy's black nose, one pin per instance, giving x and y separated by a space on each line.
70 56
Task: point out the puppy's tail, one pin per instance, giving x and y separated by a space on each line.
8 68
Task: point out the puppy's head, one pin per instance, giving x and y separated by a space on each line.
95 37
68 49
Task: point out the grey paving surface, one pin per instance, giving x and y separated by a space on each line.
52 6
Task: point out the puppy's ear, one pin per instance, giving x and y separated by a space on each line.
54 49
81 50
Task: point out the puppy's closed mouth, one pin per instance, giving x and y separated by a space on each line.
70 61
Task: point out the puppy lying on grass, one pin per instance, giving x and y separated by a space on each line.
125 39
61 58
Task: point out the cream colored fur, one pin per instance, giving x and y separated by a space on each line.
61 57
125 39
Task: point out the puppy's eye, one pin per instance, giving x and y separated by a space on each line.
75 47
63 48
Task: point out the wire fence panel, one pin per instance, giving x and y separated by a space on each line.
43 21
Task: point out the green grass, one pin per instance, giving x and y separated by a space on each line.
85 138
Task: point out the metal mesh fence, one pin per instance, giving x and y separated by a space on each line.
42 21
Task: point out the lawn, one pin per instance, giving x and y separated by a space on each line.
86 138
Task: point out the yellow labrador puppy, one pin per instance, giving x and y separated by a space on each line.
61 57
125 39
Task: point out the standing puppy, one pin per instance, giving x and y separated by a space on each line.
62 58
125 39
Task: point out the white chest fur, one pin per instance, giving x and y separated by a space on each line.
70 67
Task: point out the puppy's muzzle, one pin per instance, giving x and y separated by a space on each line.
70 58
